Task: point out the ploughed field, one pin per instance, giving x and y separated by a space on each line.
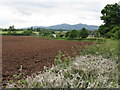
32 53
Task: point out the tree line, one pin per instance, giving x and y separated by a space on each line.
83 33
72 34
111 18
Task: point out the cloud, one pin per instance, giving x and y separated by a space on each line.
50 12
119 2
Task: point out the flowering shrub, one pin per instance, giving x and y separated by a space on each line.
83 72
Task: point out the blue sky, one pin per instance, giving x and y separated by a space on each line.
51 12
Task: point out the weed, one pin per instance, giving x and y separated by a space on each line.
10 81
17 75
22 81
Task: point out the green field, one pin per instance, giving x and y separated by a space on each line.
5 32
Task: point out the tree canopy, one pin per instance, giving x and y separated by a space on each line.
84 33
73 33
11 28
111 18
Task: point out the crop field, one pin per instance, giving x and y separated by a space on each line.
31 54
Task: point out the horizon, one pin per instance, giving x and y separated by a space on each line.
45 13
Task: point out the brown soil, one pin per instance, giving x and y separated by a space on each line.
32 53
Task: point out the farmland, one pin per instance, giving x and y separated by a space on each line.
39 57
32 53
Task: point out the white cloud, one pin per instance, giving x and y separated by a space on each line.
51 12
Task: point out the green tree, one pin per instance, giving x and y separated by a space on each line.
111 18
95 33
45 32
60 34
11 28
84 33
117 35
41 33
73 34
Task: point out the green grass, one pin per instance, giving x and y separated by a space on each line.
35 32
19 32
107 49
5 32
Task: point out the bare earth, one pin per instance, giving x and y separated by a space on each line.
32 53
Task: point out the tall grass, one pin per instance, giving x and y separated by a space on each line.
107 49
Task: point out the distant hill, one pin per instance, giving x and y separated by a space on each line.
70 27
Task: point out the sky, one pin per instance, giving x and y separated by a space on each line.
26 13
